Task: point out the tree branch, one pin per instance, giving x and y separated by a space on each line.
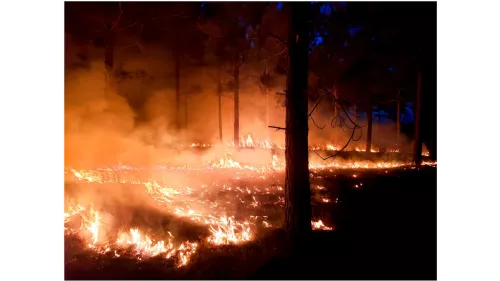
338 119
314 108
117 21
275 55
338 151
321 128
277 128
277 38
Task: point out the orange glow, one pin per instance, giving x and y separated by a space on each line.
193 203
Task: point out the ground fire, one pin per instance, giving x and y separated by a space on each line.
236 219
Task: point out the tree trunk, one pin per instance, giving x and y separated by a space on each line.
266 92
219 94
335 100
186 111
417 143
370 121
178 90
236 76
297 189
109 61
398 118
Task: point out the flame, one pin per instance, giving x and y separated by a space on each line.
141 245
227 232
226 162
247 141
144 246
93 226
194 203
319 225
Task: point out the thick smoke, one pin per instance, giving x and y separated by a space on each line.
131 119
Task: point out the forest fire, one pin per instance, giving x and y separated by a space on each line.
141 246
203 138
225 224
247 141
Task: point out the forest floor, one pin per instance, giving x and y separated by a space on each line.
384 228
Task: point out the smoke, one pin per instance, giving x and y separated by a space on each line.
131 119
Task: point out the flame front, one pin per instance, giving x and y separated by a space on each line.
196 204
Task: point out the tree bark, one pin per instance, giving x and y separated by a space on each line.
178 90
297 189
417 143
236 76
219 94
370 123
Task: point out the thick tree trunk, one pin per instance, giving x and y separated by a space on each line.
236 76
370 123
297 189
219 94
178 90
417 143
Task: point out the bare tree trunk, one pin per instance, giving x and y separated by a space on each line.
109 51
236 76
297 189
417 143
219 94
370 121
266 92
335 111
109 61
178 90
398 118
186 111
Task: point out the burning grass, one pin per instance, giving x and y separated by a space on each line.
221 202
232 202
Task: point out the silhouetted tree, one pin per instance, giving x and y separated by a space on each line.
102 23
176 25
231 25
213 59
297 189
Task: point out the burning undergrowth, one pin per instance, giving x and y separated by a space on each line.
135 192
169 212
